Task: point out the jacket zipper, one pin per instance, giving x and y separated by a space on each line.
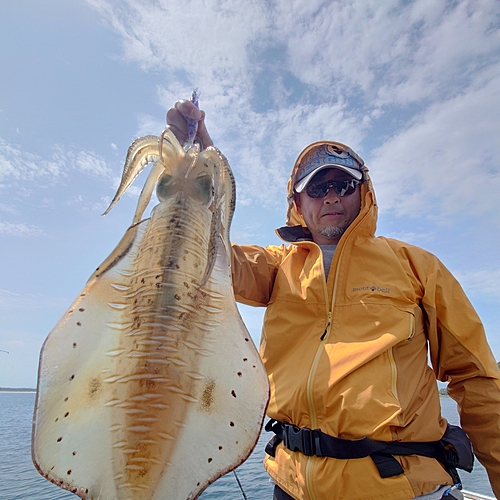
394 373
312 408
327 328
312 373
392 361
314 367
412 328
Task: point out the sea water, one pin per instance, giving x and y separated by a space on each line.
20 481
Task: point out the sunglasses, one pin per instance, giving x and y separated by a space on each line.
341 188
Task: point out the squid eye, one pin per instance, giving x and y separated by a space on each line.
202 189
165 187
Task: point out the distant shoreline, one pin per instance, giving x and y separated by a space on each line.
16 389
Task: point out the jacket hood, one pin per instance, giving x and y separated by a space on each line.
296 228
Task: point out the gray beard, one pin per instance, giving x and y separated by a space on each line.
332 232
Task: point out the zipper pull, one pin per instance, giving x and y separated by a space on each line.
327 326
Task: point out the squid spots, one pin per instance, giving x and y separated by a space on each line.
164 385
94 387
207 397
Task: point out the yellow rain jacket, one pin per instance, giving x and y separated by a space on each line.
349 355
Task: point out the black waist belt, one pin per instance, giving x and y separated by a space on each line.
315 442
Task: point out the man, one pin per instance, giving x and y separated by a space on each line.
350 321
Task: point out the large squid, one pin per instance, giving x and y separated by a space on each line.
150 386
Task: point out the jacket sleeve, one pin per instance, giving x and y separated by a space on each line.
254 270
461 356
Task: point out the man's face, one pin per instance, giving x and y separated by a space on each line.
327 218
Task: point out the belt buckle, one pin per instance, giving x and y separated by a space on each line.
299 439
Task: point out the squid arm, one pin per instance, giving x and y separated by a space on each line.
216 216
141 152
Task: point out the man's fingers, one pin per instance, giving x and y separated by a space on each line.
188 109
176 120
203 132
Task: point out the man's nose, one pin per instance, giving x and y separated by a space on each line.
331 197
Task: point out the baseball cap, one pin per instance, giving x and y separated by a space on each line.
325 154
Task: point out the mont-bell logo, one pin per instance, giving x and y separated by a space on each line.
372 288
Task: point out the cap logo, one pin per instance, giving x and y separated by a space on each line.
341 156
325 154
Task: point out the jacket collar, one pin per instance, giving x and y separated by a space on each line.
293 234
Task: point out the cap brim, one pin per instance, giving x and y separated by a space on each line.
300 186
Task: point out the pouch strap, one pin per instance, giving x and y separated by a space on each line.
315 442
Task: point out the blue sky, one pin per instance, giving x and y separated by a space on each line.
412 86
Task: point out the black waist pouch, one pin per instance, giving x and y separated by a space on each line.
457 448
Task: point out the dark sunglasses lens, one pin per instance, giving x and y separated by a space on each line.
342 188
317 190
349 189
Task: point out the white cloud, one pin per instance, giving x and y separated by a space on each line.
263 155
18 166
446 162
203 41
150 125
394 52
90 163
414 238
482 283
454 41
19 229
8 209
303 71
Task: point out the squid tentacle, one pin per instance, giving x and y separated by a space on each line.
215 226
142 151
